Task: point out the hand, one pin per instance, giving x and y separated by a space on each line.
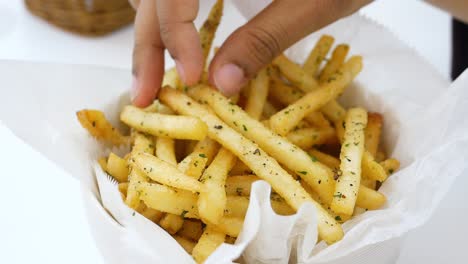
162 24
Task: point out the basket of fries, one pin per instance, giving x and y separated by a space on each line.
324 157
92 18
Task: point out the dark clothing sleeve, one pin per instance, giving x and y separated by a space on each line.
459 48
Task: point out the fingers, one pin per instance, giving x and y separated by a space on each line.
277 27
148 55
180 37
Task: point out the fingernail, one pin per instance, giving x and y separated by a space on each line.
134 89
180 70
229 79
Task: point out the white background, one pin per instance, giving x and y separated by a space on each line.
42 219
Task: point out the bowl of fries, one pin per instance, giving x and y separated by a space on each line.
327 156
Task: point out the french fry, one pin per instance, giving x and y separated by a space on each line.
240 184
369 183
191 229
240 168
99 127
165 150
268 110
103 163
283 121
230 240
236 206
333 64
295 74
171 78
123 187
317 175
370 199
305 138
202 155
371 169
188 245
324 158
117 167
165 173
230 226
171 223
142 143
178 127
334 111
212 202
373 131
151 214
390 165
347 185
318 53
263 165
380 156
280 206
258 94
168 200
209 241
133 196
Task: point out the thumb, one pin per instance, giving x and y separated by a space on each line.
274 29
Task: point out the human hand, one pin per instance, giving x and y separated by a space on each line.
168 24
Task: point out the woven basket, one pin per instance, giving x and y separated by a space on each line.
87 17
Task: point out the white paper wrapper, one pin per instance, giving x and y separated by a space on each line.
425 128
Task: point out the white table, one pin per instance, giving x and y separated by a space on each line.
43 219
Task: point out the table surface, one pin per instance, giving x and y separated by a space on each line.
44 196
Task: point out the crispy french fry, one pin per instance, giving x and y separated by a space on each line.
280 206
188 245
317 54
240 169
165 173
390 165
99 127
165 150
305 138
171 78
380 156
230 240
337 59
169 200
103 163
257 94
151 214
263 165
123 187
209 241
370 199
324 158
142 143
236 206
212 202
347 185
240 184
334 111
317 175
230 226
202 155
295 74
369 183
117 167
171 223
268 110
136 176
373 130
178 127
191 229
283 121
371 169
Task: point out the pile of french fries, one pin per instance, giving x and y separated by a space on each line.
195 153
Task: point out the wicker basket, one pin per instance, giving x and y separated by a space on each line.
87 17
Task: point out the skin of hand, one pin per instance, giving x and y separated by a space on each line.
168 24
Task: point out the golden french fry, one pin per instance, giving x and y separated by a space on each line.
171 223
283 121
178 127
333 64
335 112
151 214
317 54
212 202
240 169
380 156
305 138
230 226
295 74
390 165
347 185
188 245
165 150
103 163
117 168
317 175
371 169
165 173
209 241
133 196
194 164
370 199
99 127
171 78
324 158
373 131
369 183
280 206
240 184
268 110
230 240
263 165
123 187
257 94
142 143
191 229
236 206
169 200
